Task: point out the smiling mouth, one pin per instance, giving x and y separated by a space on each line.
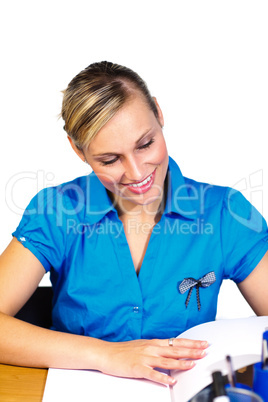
142 186
142 183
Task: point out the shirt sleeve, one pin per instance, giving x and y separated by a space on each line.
244 236
41 229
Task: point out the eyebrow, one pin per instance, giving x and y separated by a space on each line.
115 153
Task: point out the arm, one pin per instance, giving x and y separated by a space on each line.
255 287
28 345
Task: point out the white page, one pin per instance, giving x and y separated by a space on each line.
88 385
239 338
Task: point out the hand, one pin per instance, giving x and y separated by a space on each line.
137 359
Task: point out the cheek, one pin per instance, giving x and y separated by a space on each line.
109 185
163 154
108 178
160 154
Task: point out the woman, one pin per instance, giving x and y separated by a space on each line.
136 252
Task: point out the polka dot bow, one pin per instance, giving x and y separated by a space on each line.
191 283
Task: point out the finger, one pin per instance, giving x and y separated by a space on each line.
157 376
186 343
167 364
172 364
190 343
182 353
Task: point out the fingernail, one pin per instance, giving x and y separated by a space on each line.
172 381
204 344
189 363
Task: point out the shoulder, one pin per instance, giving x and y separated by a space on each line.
231 204
212 192
44 226
208 196
71 192
55 204
228 201
194 195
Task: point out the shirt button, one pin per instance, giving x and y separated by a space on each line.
135 310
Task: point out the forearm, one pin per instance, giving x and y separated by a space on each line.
24 344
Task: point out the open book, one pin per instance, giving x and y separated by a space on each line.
239 338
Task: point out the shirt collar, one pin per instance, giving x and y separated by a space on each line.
182 198
179 198
98 202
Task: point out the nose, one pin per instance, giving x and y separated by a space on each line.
133 168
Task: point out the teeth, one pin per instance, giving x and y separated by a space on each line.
142 183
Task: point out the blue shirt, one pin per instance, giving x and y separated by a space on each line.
75 232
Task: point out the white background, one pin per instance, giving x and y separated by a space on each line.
205 61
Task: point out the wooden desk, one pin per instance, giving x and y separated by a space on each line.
21 384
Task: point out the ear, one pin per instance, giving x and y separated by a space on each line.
159 112
78 151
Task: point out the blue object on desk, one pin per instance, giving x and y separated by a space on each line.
242 395
260 381
265 350
260 371
239 386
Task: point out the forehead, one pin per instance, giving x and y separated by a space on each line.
131 122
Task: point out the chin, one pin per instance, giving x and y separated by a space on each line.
144 199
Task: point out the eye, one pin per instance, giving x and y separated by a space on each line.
110 162
147 144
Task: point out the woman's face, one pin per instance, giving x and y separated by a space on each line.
129 154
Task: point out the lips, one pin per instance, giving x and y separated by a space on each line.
142 186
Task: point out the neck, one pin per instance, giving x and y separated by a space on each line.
141 212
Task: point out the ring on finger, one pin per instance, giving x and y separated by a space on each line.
170 341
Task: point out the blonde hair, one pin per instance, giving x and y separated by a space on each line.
94 96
